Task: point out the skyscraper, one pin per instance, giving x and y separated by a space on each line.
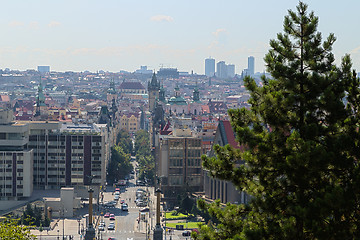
230 70
209 67
43 69
221 70
251 66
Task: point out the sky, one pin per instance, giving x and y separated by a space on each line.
114 35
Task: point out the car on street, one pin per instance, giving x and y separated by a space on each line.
101 228
111 238
117 189
122 201
112 217
145 209
102 223
110 204
141 204
107 215
140 183
186 233
116 198
124 207
111 226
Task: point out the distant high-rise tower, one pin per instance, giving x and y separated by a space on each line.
209 67
43 69
230 70
251 65
221 70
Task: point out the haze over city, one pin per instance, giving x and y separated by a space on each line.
122 35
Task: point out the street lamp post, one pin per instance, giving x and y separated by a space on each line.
165 220
78 225
158 231
63 224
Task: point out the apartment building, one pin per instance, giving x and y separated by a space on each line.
16 161
67 154
130 122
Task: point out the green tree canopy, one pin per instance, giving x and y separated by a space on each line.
302 145
120 165
9 230
144 157
123 139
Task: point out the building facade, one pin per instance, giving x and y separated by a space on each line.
220 189
251 66
179 166
209 67
16 161
67 154
130 122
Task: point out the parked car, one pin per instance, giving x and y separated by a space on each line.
112 217
186 233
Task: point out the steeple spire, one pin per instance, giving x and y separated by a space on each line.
196 94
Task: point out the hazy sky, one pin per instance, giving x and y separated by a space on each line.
114 35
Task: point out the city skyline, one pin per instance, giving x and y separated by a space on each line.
120 35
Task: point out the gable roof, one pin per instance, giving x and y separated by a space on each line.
227 134
131 85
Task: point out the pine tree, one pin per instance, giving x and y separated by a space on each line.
302 145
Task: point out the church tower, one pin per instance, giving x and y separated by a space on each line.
111 93
196 94
40 101
162 94
153 91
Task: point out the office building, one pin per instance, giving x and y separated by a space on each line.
43 69
180 163
168 73
50 155
251 66
209 67
221 70
68 154
16 161
230 70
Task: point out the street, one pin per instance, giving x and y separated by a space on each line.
129 225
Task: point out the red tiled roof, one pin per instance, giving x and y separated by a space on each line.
4 98
230 134
205 108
